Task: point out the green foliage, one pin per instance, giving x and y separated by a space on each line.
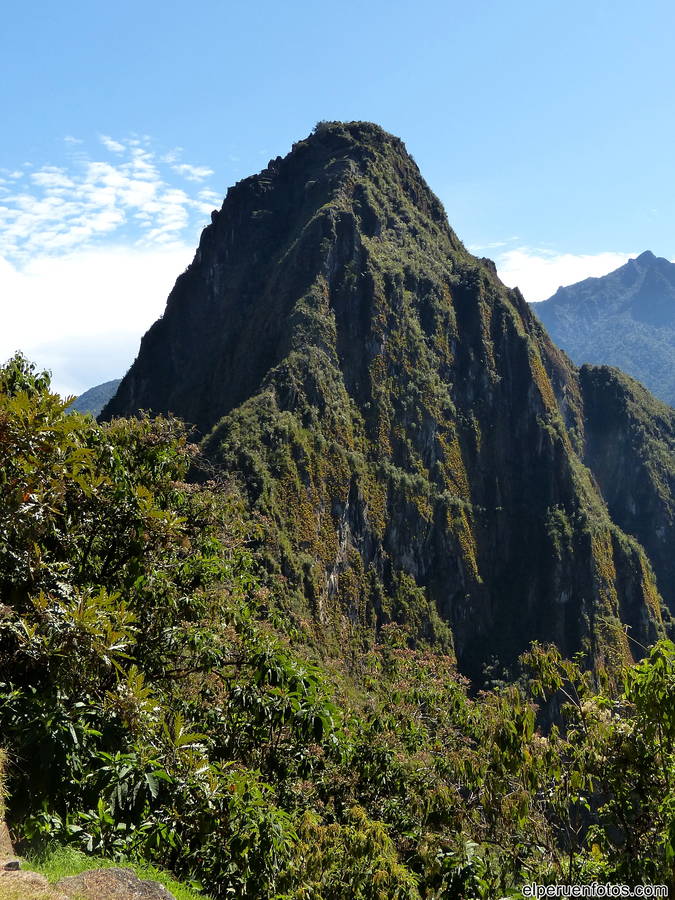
154 709
114 585
356 860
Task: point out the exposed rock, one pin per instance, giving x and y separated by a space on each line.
112 884
19 885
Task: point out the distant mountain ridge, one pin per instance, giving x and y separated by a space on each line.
93 400
624 319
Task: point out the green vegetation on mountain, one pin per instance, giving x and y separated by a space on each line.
625 319
154 708
398 419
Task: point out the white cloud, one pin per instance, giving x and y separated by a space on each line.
192 173
110 144
82 314
52 178
59 209
89 252
173 155
479 248
539 273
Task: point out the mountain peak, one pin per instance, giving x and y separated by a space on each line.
646 257
358 131
395 414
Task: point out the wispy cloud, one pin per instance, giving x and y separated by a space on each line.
133 197
539 273
192 173
112 145
492 245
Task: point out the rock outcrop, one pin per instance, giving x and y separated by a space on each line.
417 444
111 884
16 884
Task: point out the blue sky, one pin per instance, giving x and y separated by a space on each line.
546 129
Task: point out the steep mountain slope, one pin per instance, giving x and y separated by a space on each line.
93 400
401 419
624 319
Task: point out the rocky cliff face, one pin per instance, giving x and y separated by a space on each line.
414 439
